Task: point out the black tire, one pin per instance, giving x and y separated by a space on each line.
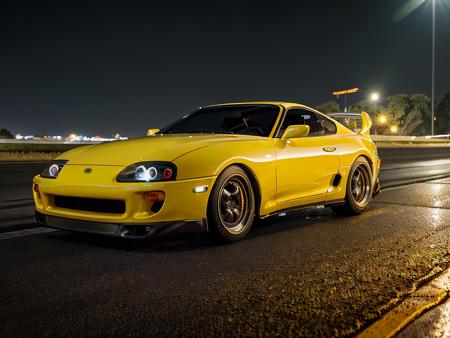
359 189
231 206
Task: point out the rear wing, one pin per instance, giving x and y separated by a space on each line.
359 123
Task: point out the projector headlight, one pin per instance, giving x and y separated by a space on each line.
148 172
53 169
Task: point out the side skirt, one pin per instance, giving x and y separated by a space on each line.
303 207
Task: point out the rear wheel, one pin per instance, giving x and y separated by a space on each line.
359 189
231 208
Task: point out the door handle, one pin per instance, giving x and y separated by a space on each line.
329 149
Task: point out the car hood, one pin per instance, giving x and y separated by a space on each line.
152 148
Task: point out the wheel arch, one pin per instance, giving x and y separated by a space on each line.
253 180
345 167
255 185
372 165
367 156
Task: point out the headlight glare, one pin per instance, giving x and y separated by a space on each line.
53 169
148 172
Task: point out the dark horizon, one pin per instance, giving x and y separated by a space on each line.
107 68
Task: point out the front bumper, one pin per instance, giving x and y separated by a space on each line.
181 202
126 230
76 201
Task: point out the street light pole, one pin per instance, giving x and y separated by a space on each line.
374 97
433 57
433 51
433 64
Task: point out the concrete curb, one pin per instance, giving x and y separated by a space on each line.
426 297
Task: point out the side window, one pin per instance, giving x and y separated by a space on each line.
318 124
328 125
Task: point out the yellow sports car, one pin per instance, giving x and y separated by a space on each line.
216 169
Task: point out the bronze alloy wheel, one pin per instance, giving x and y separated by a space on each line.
233 204
358 190
231 207
361 185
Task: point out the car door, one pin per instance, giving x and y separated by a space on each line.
306 166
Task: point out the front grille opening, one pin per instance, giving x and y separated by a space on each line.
90 204
157 206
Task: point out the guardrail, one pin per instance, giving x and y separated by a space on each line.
13 145
14 141
392 139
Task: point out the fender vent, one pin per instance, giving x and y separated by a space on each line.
337 180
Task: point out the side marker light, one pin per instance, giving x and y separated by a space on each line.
201 188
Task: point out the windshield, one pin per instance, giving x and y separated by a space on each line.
255 120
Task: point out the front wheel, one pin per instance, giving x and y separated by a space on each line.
359 189
231 207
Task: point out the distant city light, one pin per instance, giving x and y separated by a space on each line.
70 138
394 129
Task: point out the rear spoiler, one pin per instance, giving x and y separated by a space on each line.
359 123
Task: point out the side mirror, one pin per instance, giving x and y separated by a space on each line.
295 131
151 132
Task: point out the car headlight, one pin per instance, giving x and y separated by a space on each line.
53 169
148 172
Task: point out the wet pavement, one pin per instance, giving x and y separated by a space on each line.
308 274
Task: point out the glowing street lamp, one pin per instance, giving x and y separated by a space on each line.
374 97
394 129
382 119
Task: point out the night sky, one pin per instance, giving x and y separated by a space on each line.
103 67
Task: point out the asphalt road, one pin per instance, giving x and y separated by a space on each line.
404 165
306 274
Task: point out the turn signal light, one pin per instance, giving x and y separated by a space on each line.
36 188
154 196
167 173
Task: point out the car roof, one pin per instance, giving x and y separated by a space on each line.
276 103
344 114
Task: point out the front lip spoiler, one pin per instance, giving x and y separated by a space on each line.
125 230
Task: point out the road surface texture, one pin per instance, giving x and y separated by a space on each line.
311 273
